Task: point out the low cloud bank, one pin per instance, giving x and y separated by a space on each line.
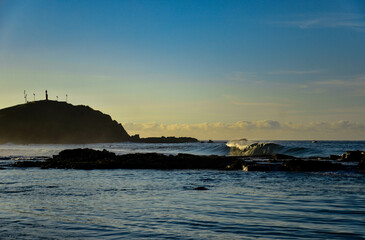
265 129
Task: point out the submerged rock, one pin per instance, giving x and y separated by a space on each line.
201 188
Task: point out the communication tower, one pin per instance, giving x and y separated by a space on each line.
25 96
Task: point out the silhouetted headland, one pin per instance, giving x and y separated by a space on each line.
58 122
54 122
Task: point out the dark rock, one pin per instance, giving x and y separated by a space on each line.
94 159
210 141
279 156
201 188
310 165
335 157
165 140
361 164
235 165
58 122
135 138
353 156
28 164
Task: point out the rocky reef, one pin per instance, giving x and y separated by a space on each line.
95 159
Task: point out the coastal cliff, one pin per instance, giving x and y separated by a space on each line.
58 122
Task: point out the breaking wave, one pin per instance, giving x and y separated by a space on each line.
244 147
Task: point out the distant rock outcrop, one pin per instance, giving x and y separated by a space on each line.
58 122
172 139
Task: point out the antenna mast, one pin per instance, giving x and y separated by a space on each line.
25 96
34 96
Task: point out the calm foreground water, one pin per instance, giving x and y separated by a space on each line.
154 204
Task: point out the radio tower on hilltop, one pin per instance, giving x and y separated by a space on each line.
25 97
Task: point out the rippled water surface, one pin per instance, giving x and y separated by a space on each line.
114 204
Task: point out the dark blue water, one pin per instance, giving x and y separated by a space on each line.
153 204
114 204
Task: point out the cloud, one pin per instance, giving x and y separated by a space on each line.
264 129
328 20
343 83
250 125
325 126
246 125
353 86
295 72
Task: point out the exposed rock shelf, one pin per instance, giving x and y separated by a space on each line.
94 159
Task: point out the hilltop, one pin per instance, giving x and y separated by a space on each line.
58 122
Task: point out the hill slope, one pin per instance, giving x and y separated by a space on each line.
58 122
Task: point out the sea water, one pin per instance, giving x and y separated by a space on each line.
156 204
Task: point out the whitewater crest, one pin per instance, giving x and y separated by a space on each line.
244 147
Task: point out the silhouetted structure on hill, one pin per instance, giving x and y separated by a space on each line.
50 121
58 122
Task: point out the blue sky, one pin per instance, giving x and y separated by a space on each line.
193 67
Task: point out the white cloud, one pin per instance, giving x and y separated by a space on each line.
250 125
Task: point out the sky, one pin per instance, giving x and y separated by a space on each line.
205 69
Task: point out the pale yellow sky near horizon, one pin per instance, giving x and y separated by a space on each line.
211 70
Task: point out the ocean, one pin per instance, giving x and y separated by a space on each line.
161 204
